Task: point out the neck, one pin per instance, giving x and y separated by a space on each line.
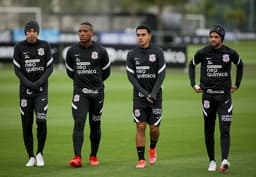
86 44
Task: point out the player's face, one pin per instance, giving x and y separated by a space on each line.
31 35
85 33
143 38
215 40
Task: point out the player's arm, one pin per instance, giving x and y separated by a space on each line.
18 71
192 75
69 65
106 65
46 74
131 76
49 68
160 75
239 74
21 76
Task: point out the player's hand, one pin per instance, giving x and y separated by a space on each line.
233 89
197 89
150 99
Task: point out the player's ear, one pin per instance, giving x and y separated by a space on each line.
150 36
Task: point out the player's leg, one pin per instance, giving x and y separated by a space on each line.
140 143
154 121
41 107
80 107
225 119
95 127
26 110
209 113
140 117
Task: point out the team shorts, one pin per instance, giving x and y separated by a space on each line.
144 111
221 104
37 104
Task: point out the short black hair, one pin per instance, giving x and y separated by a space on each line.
144 26
88 24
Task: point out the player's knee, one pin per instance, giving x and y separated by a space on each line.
41 118
79 124
96 118
225 131
154 129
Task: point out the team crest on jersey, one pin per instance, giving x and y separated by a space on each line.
40 51
94 55
76 98
137 112
152 57
225 58
206 104
23 103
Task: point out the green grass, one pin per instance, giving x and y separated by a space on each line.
181 150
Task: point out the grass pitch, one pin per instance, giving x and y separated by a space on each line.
181 150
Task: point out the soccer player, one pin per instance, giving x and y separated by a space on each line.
216 88
88 65
33 64
146 72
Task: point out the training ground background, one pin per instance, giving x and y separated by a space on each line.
181 150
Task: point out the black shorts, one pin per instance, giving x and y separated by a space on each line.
221 104
37 103
143 111
83 103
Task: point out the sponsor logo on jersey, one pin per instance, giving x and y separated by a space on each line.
225 58
137 62
152 58
206 104
95 55
24 103
215 91
89 91
40 51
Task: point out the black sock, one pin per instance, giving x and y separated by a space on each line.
141 152
152 144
